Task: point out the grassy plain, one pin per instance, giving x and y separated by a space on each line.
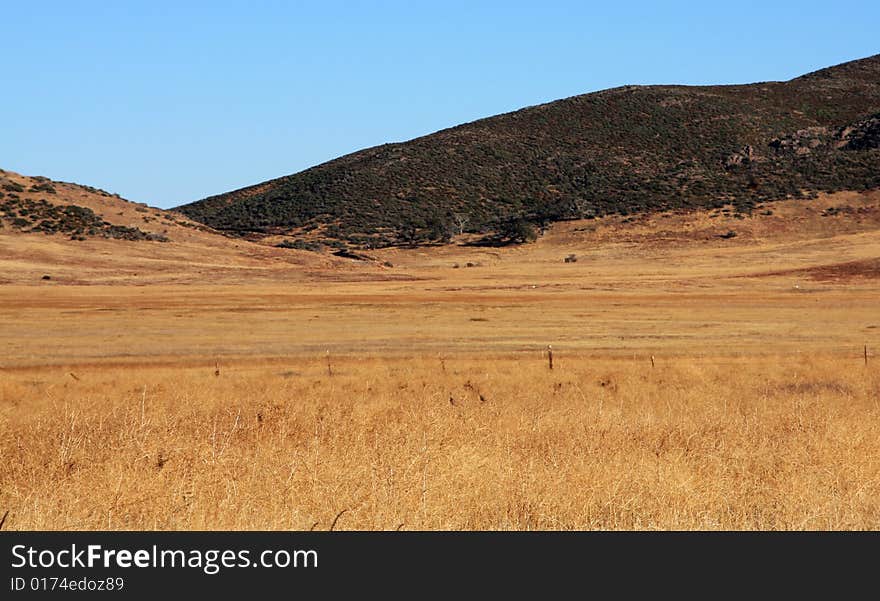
438 409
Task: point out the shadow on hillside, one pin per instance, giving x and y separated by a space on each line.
492 241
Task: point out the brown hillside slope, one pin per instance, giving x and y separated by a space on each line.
81 235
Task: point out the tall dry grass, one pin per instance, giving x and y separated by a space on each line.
777 442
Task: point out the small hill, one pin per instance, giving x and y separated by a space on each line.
634 149
38 205
63 233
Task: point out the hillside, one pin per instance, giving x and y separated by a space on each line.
40 205
63 233
626 150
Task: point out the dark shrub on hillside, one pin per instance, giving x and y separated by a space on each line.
299 245
43 216
13 187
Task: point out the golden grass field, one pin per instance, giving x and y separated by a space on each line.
439 410
788 442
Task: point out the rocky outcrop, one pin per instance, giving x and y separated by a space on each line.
862 135
742 158
801 142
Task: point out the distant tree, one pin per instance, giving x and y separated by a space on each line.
460 221
409 232
439 227
517 230
544 211
582 209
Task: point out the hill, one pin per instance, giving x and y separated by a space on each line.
40 205
627 150
63 233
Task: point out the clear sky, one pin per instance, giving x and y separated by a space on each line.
169 102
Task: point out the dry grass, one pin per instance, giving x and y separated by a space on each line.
440 411
790 442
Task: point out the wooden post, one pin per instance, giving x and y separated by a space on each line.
550 356
866 355
329 369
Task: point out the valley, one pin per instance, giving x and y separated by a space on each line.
699 381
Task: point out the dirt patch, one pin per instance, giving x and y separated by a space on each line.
861 269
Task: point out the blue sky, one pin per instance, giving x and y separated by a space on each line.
169 102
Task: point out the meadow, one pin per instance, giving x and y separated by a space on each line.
455 443
697 383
